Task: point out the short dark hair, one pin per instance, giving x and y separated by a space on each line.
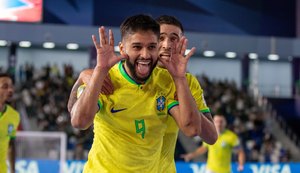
169 20
5 75
140 22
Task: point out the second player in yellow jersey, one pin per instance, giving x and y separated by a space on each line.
167 161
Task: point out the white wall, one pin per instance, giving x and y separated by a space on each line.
3 57
273 78
41 57
216 68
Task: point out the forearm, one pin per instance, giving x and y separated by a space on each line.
241 157
208 130
11 156
73 96
190 119
83 77
199 151
85 108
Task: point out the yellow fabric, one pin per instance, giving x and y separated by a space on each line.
9 122
169 140
129 127
219 154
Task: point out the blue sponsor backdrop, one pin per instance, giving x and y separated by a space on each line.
52 166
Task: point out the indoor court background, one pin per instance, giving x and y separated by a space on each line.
46 43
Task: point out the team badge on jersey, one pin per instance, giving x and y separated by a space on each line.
160 101
10 129
223 144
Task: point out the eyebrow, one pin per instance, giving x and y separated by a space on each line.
139 44
163 33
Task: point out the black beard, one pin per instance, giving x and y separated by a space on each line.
135 77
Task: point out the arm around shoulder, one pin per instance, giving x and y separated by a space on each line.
85 108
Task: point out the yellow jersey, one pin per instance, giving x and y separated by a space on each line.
219 154
130 124
167 162
9 122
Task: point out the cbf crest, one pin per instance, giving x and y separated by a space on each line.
161 102
10 129
223 144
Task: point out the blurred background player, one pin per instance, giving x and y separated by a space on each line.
9 121
219 154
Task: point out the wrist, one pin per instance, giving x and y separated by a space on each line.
179 78
101 70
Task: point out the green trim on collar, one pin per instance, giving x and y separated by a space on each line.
2 113
125 75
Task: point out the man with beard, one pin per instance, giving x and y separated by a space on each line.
9 121
171 31
129 124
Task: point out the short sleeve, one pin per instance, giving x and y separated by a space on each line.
197 93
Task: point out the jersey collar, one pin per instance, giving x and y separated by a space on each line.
4 110
126 76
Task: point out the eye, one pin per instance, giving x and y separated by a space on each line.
161 38
136 47
4 86
174 39
152 47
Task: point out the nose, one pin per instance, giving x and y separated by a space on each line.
145 53
166 44
11 90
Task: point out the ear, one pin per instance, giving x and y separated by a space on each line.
122 48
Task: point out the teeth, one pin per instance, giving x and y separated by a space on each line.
143 62
165 54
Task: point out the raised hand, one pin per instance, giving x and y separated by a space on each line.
187 157
177 63
240 168
106 56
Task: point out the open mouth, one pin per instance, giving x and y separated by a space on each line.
143 66
165 55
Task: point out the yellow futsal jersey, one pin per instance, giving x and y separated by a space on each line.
219 154
129 127
167 163
9 122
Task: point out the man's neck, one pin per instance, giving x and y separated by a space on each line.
221 131
2 107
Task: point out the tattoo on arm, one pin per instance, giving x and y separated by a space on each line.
73 96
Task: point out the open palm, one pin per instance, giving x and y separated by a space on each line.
106 57
177 64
